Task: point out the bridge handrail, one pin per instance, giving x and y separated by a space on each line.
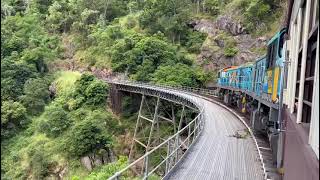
197 123
203 91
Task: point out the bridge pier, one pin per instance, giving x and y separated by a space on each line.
115 99
162 128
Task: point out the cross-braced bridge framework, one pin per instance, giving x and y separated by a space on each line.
195 150
170 149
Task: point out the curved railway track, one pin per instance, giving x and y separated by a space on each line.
217 152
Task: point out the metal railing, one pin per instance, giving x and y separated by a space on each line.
201 91
172 149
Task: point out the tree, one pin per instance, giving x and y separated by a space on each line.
256 12
36 95
13 117
41 6
96 93
90 91
25 36
59 18
211 6
86 137
194 41
39 163
13 77
54 121
143 57
169 17
179 74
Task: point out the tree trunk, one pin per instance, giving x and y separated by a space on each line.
105 11
198 6
203 6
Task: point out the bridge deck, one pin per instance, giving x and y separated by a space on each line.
216 154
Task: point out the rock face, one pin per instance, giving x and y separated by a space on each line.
224 23
99 158
86 162
213 57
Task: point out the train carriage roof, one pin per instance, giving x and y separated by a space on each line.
229 68
277 35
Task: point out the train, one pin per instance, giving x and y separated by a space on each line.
256 88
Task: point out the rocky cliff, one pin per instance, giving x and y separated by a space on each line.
228 43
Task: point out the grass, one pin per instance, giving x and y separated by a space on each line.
65 80
130 21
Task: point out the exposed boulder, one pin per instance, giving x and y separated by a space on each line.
98 158
226 23
205 26
86 162
53 90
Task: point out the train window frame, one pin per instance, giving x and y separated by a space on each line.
272 53
270 49
280 44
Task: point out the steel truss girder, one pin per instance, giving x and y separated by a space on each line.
176 146
157 93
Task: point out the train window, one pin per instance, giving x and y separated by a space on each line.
272 54
269 56
281 41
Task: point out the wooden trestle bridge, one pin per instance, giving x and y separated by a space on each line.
204 147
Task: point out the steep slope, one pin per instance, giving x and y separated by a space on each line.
231 38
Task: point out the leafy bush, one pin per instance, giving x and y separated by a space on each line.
179 74
194 41
54 121
230 52
141 58
13 77
212 7
86 137
36 95
90 91
96 93
108 170
39 163
256 12
82 83
168 17
13 117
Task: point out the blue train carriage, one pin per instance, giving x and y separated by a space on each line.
263 78
245 76
274 62
224 76
259 74
233 77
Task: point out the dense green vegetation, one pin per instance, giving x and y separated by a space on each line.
50 120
